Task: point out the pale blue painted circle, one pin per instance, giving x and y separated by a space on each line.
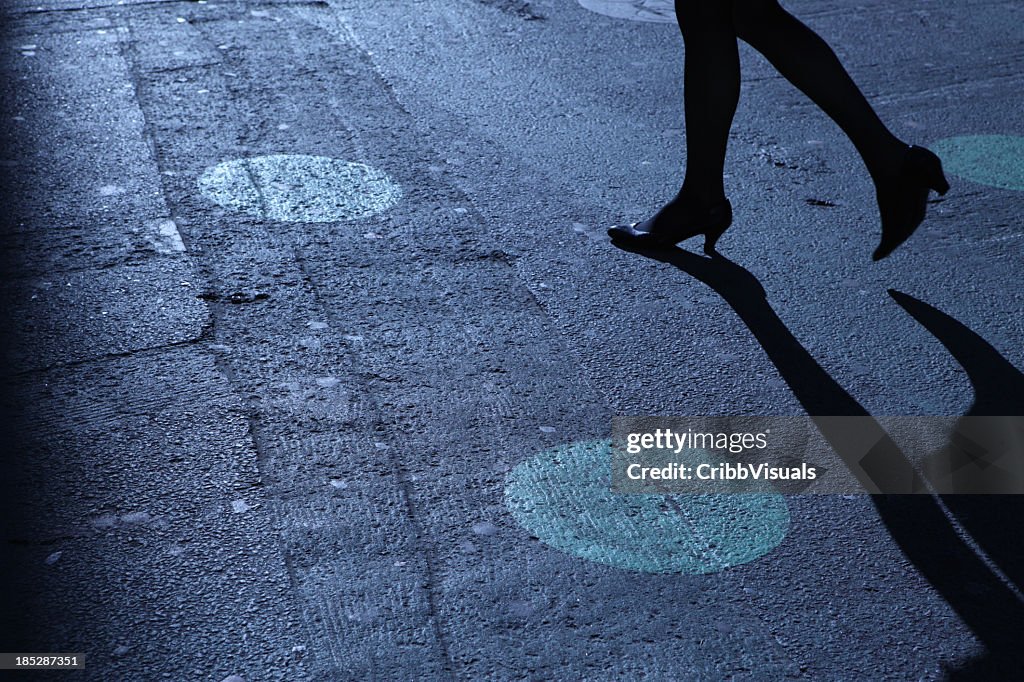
657 11
994 160
300 188
563 497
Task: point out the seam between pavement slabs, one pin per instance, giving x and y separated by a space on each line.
401 475
204 336
252 416
213 318
365 54
398 471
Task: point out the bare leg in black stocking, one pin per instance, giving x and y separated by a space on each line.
710 28
711 90
806 61
903 175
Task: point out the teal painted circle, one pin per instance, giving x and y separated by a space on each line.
563 497
994 160
299 188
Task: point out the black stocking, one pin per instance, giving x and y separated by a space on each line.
711 90
806 61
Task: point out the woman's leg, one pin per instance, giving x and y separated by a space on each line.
711 91
809 63
903 175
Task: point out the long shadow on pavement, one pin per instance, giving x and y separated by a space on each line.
917 523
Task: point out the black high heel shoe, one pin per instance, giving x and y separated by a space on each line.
710 222
902 200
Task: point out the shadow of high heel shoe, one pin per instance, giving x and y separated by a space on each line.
998 384
992 609
993 521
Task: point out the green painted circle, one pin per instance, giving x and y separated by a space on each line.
994 160
563 497
299 188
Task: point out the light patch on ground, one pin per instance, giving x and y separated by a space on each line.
659 11
563 497
164 236
299 188
994 160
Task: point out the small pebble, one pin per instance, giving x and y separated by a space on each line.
484 528
137 517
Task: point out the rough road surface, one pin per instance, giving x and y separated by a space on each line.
293 287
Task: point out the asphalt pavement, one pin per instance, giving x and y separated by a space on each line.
314 338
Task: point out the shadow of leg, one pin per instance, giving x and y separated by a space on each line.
917 523
992 521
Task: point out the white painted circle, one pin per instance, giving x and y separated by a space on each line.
299 188
659 11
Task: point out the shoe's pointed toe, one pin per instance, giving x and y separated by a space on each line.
710 222
624 232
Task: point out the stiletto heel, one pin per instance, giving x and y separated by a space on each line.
936 179
711 222
711 236
903 199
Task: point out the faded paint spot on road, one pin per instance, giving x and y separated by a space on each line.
298 188
657 11
994 160
164 236
563 497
